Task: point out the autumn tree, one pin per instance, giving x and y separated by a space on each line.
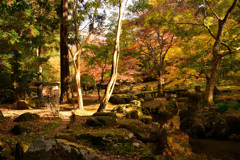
153 39
99 60
220 21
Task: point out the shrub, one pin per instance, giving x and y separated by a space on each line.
223 106
236 106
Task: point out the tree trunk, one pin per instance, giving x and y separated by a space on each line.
65 74
15 67
111 84
40 88
79 91
211 82
161 80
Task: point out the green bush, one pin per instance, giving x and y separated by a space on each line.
236 106
223 106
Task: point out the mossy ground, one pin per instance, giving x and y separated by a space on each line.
35 129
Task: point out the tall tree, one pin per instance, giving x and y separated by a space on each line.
215 17
65 74
116 53
216 49
86 15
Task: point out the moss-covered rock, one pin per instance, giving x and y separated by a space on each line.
27 117
66 135
136 114
143 132
35 103
117 100
221 130
146 119
98 121
19 129
110 114
45 148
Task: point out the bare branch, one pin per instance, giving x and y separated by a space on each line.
214 13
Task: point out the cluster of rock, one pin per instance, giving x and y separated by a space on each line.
20 128
45 148
209 122
123 99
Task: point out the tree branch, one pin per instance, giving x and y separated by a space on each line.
214 13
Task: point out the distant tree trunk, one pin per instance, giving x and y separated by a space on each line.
39 50
15 76
217 56
111 84
100 84
161 77
65 74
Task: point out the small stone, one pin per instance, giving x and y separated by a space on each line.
136 145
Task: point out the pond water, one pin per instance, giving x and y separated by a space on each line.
225 150
208 148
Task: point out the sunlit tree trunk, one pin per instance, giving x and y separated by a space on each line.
39 50
78 70
111 84
65 74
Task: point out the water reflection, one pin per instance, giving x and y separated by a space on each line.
224 150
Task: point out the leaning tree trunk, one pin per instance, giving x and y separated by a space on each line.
111 84
65 74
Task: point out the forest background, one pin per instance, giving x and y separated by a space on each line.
175 42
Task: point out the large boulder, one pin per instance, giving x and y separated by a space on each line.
220 130
101 121
110 114
117 100
22 105
124 108
45 148
135 114
123 99
27 117
143 132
